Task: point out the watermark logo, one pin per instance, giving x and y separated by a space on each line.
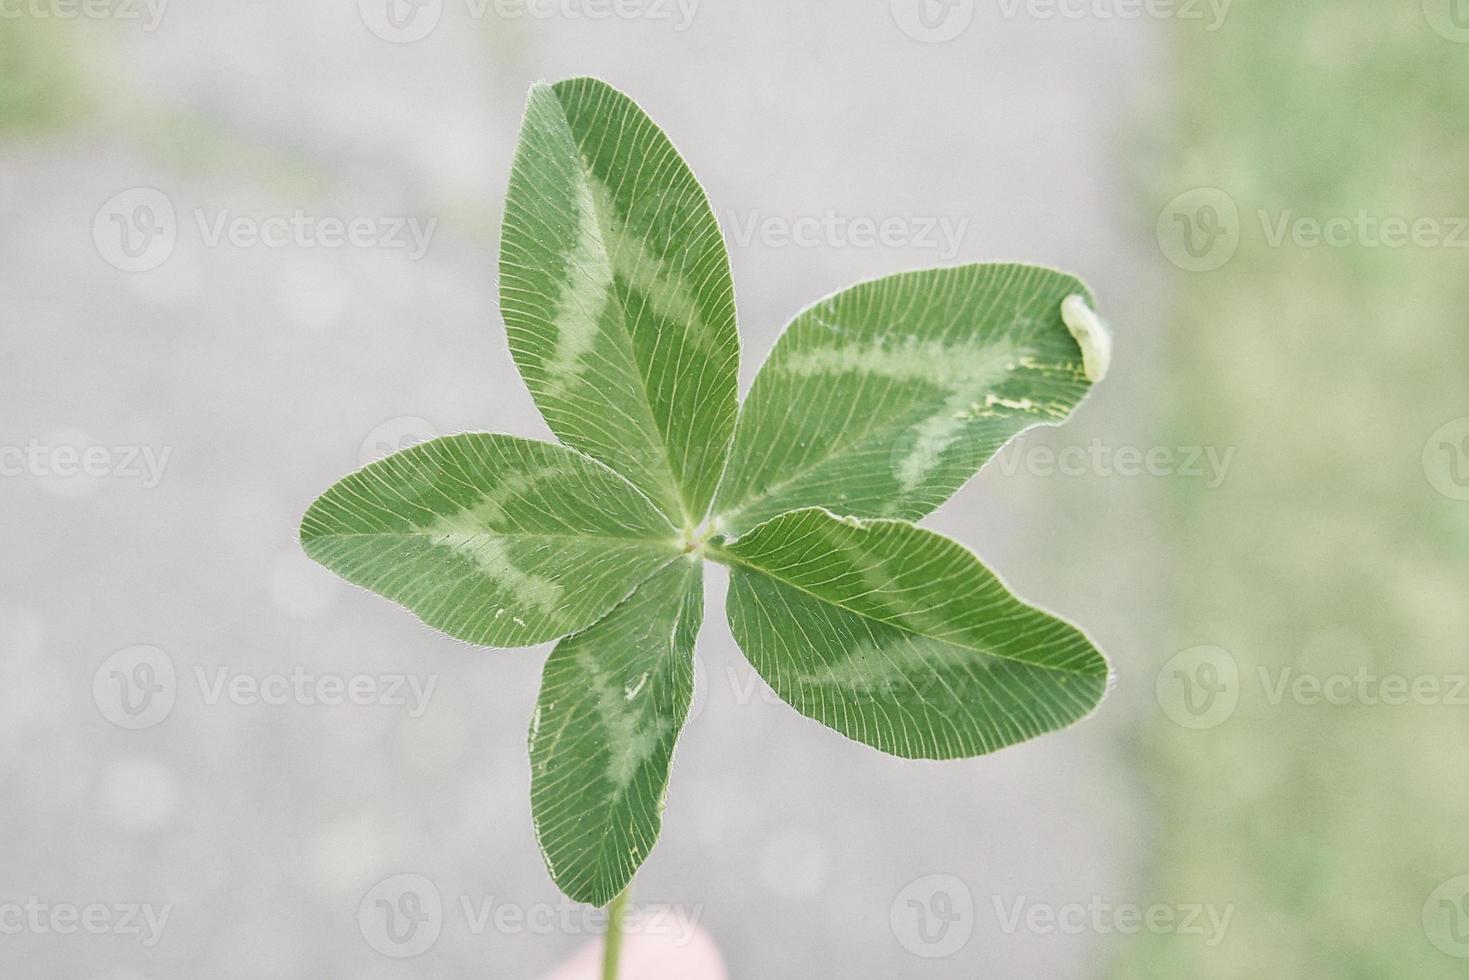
1446 917
402 916
933 21
135 688
1199 230
1450 18
401 21
933 917
1446 459
395 435
1199 687
136 230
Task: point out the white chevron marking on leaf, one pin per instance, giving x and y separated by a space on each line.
899 638
583 296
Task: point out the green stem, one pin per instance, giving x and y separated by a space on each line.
612 942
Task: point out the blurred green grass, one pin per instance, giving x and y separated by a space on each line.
1327 549
39 87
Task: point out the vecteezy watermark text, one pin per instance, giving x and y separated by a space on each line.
935 916
65 461
1200 230
1208 464
1210 12
832 229
406 21
38 917
1364 686
1363 230
150 12
302 229
137 688
1201 687
1100 917
137 230
310 689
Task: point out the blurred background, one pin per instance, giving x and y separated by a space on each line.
247 247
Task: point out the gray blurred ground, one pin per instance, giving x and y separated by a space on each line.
262 371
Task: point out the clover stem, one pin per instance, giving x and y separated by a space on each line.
612 942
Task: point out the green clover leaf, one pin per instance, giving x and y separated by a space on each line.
875 406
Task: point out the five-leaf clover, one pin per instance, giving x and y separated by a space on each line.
875 406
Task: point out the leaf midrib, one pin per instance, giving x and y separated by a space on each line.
584 168
716 553
619 799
